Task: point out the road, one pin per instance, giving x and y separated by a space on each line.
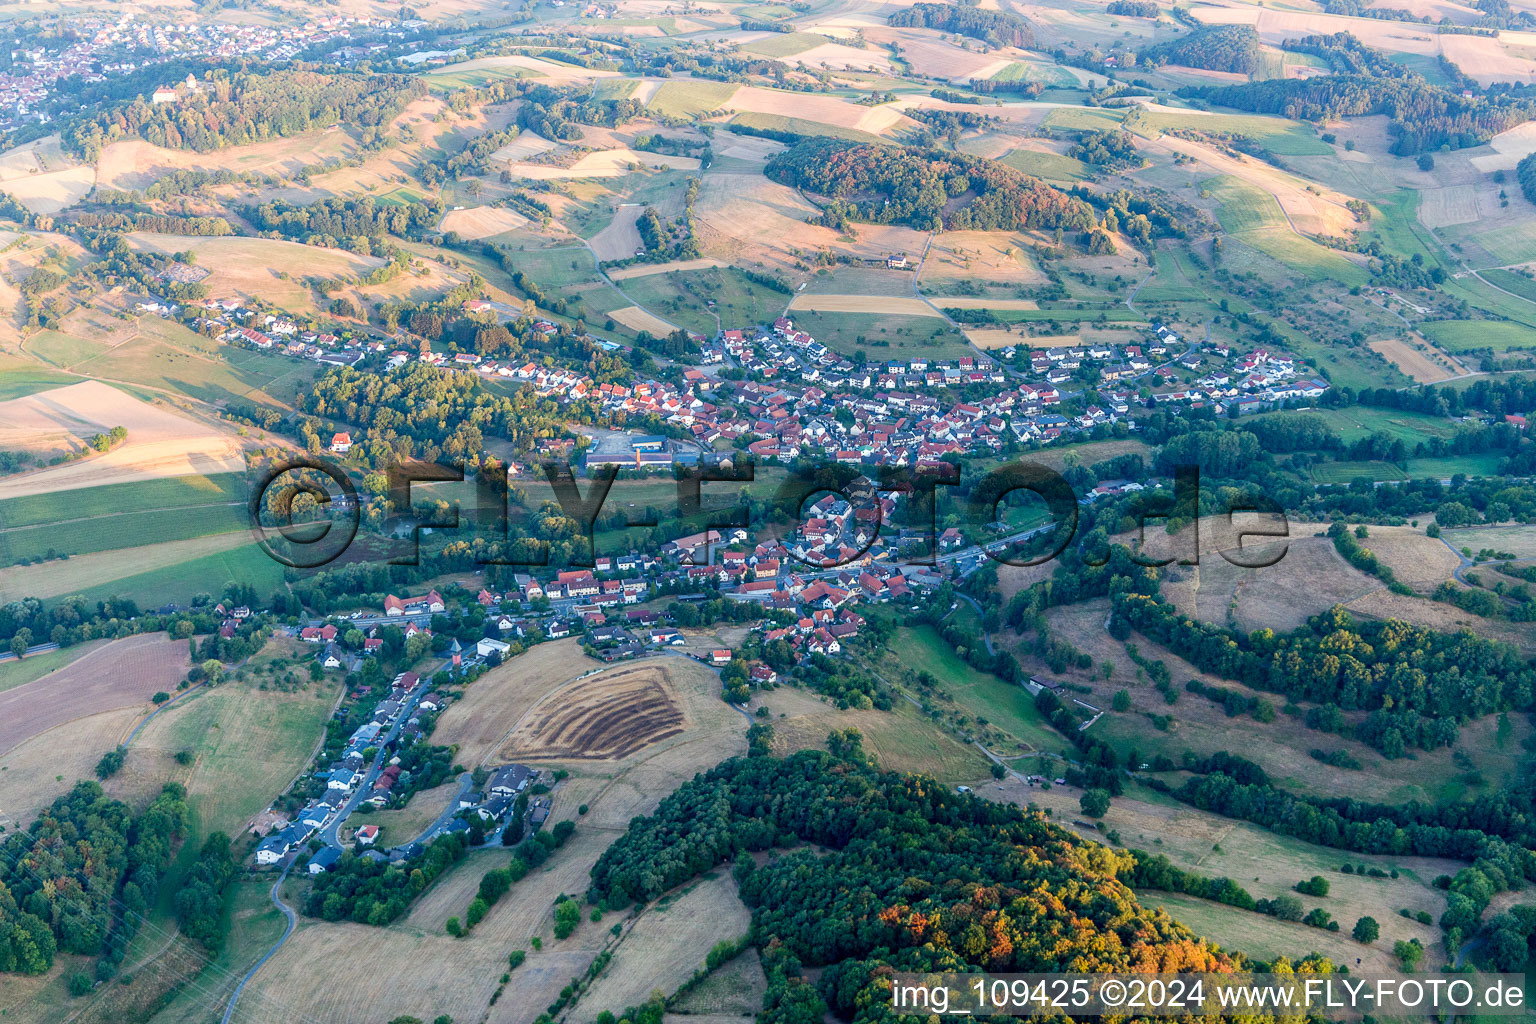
329 834
10 655
466 783
277 900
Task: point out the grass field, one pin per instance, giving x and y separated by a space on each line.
1029 71
1345 472
1470 335
801 126
705 300
249 744
1255 217
1077 119
690 98
1050 166
121 515
985 696
901 740
206 574
1358 422
785 44
883 337
19 672
1280 136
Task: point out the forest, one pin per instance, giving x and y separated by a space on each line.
1423 116
422 412
902 873
903 185
334 222
81 878
1233 48
1418 683
999 28
246 107
362 890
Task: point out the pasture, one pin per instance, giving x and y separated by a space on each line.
705 300
884 336
249 741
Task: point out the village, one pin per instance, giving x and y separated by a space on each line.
98 48
796 398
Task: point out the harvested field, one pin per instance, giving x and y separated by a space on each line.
122 674
160 442
652 955
838 57
521 148
828 110
607 163
482 222
637 319
495 703
1442 207
647 269
880 304
52 191
995 338
38 769
1424 367
620 238
83 572
606 716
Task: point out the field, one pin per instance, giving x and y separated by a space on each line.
249 743
649 957
705 300
122 674
424 972
883 336
160 443
1265 864
606 716
876 304
1472 335
901 740
401 826
992 703
497 701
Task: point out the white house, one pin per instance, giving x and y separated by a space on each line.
487 645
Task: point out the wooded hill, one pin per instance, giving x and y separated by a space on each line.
1000 28
1233 48
243 108
903 874
927 188
1424 117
